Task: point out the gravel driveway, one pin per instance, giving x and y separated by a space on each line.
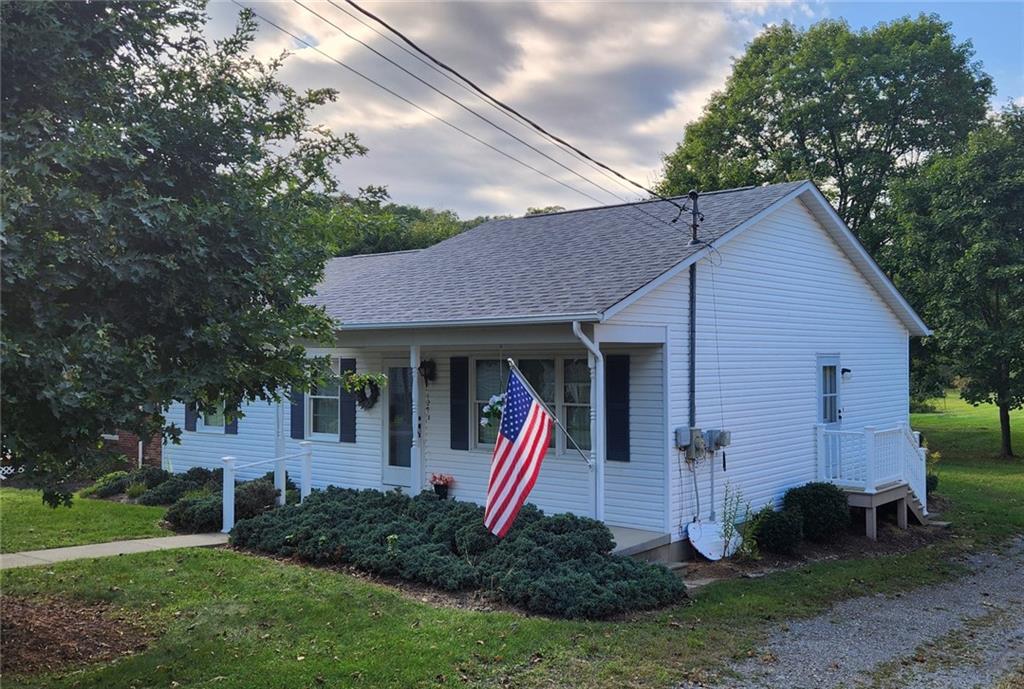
958 635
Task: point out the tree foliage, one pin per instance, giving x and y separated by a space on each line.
157 242
960 244
847 109
370 223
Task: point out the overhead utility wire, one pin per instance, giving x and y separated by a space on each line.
413 104
470 91
509 108
472 111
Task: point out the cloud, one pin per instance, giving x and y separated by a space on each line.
619 80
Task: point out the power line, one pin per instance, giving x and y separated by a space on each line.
470 91
402 98
510 109
469 109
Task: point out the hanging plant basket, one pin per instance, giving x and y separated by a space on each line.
365 387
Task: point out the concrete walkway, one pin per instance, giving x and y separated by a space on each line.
32 558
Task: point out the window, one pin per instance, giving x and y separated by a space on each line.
325 405
562 384
212 422
491 378
576 401
829 411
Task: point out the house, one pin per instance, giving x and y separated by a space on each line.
800 347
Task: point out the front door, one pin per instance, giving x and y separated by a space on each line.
398 448
830 411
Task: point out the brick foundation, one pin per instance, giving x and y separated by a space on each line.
127 443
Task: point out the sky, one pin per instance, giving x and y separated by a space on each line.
620 80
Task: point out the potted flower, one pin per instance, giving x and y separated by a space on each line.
491 413
441 483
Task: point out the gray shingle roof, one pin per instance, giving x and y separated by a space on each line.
543 266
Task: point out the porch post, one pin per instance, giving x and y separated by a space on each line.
597 415
415 464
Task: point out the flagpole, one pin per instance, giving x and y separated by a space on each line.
522 379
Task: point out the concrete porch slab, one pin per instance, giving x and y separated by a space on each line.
630 541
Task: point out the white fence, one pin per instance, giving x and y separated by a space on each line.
280 469
869 459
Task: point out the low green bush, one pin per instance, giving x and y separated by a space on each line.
108 485
560 565
150 476
199 514
135 490
824 507
931 482
199 509
170 491
779 532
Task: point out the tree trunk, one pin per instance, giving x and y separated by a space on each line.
1004 427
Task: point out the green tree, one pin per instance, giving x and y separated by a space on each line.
848 109
541 210
370 224
156 235
960 247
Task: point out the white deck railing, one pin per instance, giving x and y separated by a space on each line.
870 458
280 481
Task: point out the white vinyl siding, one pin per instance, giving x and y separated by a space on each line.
784 293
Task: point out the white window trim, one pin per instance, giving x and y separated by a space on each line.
324 437
562 447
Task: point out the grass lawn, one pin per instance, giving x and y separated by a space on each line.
27 524
233 620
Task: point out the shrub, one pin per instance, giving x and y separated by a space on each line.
560 565
170 491
750 547
824 507
201 514
135 490
931 482
149 476
779 532
114 483
254 497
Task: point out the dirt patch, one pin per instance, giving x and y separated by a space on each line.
891 541
45 634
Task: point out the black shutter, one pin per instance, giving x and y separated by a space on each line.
459 397
190 416
298 415
347 407
616 396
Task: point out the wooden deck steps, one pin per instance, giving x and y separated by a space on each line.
907 504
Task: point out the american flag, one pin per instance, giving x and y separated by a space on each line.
523 439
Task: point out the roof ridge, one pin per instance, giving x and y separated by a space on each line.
379 253
644 201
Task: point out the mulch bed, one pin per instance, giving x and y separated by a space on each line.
46 634
891 541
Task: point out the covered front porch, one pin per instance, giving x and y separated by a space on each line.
606 385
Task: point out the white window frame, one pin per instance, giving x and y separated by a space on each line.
829 360
561 446
327 437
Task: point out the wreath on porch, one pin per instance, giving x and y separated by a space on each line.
365 386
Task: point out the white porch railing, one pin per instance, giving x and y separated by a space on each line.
280 469
871 458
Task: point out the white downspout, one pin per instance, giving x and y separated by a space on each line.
595 360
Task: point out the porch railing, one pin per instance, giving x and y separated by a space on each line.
871 458
280 479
